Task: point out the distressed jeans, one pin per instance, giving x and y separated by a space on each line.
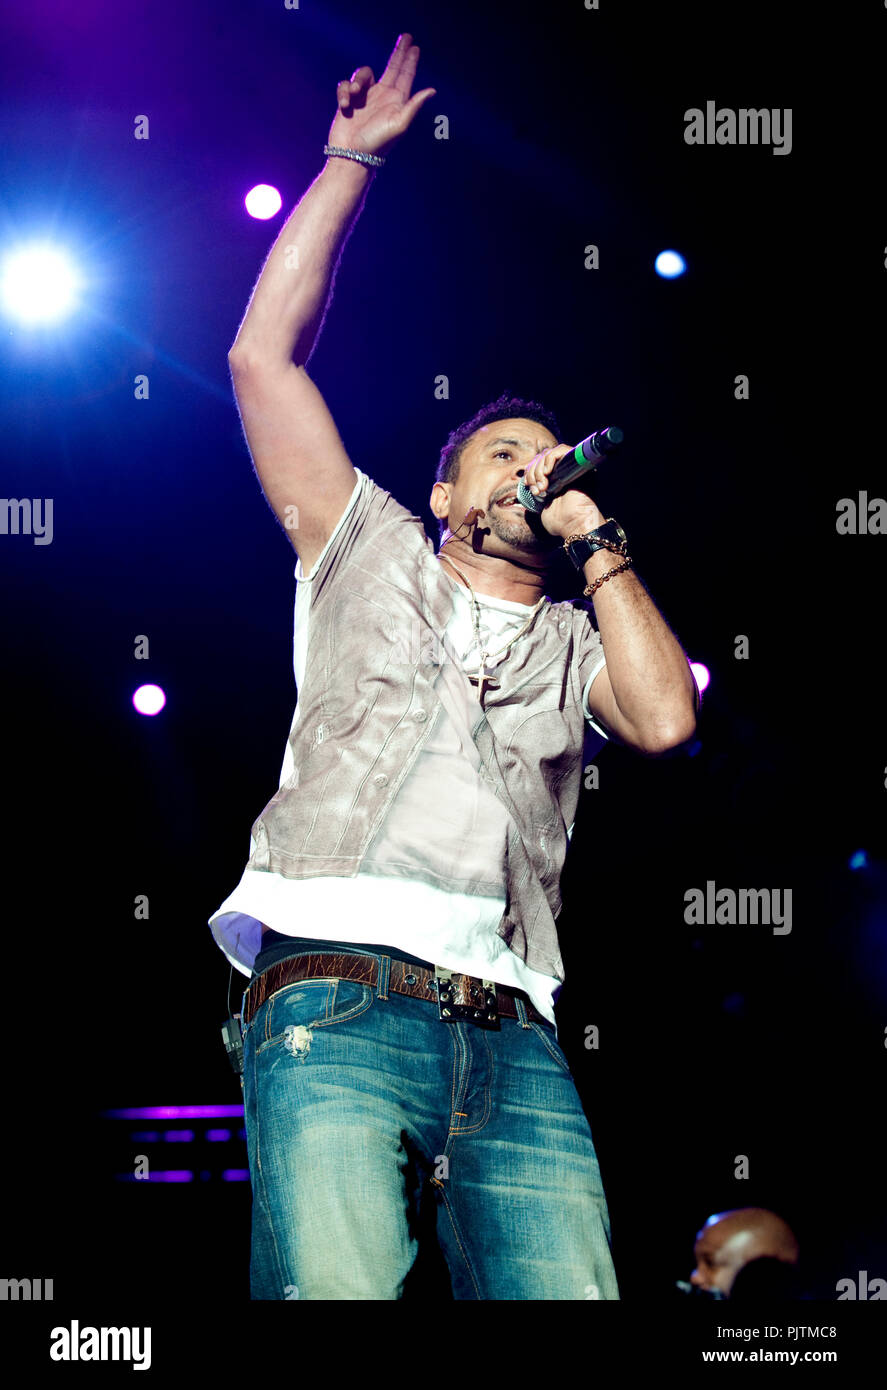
360 1103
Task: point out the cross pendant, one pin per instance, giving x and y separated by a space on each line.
481 678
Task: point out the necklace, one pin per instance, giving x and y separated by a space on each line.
481 677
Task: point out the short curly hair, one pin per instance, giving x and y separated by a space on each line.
505 407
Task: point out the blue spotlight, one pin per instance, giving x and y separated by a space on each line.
669 264
38 284
859 860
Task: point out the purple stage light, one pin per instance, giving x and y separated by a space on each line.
149 699
263 201
701 675
176 1112
159 1175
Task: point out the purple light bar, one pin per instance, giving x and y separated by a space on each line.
160 1175
235 1175
175 1112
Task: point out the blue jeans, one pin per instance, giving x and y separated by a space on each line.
358 1102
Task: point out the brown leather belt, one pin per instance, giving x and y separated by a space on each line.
460 998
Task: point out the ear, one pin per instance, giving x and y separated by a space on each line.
439 501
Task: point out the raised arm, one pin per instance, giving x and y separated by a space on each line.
296 449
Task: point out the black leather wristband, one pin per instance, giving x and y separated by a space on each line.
582 549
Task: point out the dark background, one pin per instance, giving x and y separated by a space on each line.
566 128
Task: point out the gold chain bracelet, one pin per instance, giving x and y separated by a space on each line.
615 548
590 589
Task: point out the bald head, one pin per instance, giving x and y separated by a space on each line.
730 1239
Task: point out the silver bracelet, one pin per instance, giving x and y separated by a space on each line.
375 160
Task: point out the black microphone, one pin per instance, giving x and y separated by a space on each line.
585 457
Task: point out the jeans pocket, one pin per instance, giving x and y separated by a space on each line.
309 1004
552 1046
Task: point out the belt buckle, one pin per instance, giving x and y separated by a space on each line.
480 1007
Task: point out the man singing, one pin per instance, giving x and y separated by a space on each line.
398 911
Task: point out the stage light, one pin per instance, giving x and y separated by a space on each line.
859 860
701 675
168 1175
669 264
149 699
38 284
175 1112
263 201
